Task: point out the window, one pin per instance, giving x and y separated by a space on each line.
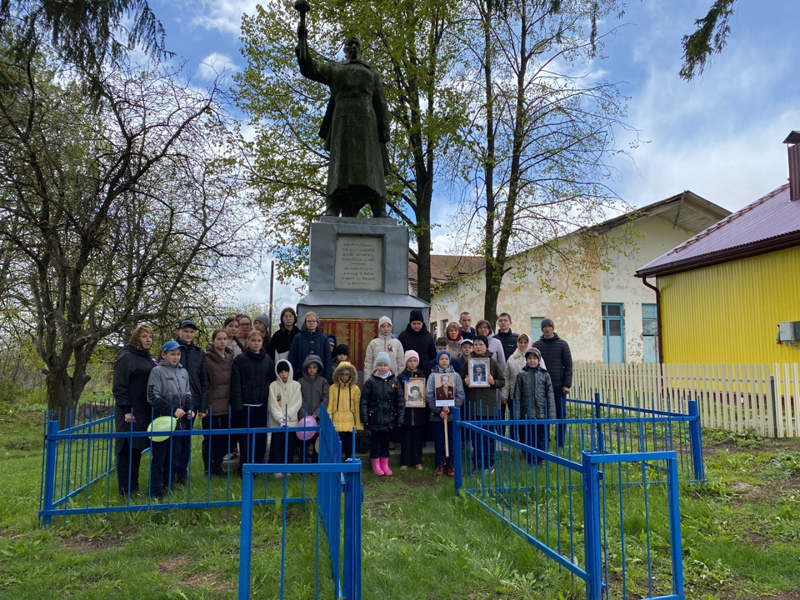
649 333
536 328
613 333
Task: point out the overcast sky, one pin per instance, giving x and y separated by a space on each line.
718 136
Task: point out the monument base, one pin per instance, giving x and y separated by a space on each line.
358 272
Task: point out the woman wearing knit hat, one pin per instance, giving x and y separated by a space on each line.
382 405
415 421
417 337
384 343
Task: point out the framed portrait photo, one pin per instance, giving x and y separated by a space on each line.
444 390
415 392
479 372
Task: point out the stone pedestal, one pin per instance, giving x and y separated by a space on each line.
358 272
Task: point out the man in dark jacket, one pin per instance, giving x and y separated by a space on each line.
558 358
417 337
193 359
507 337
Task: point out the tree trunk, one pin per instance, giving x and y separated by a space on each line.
62 395
424 264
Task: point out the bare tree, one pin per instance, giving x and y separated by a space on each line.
111 212
541 134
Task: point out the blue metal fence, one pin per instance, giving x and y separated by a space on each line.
78 478
79 464
605 506
337 483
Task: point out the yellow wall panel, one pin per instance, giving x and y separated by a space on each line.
728 313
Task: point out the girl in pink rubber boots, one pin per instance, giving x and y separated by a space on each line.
382 407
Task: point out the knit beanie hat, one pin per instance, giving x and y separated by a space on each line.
341 349
483 338
263 318
416 315
382 359
534 351
411 354
548 323
440 353
384 319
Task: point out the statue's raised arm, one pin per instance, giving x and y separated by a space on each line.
355 127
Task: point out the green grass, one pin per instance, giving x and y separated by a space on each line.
740 537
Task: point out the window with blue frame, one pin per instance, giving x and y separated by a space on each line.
613 333
536 328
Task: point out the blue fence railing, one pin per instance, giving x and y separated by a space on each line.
80 466
337 483
611 428
604 506
79 478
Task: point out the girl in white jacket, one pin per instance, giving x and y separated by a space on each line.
384 343
285 402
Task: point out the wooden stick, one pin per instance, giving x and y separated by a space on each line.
446 443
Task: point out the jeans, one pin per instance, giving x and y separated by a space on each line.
182 449
160 465
483 447
561 409
537 434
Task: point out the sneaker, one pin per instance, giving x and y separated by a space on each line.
404 468
438 471
451 472
181 479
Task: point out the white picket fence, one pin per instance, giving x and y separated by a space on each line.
736 397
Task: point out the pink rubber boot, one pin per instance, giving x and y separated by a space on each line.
376 467
385 466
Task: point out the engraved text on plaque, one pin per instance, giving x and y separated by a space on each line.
359 262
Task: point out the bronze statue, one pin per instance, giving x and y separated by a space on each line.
355 127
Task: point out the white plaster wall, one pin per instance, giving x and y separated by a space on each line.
575 303
620 286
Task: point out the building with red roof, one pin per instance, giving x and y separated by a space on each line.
722 294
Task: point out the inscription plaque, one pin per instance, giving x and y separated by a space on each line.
359 262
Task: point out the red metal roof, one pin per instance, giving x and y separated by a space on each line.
769 223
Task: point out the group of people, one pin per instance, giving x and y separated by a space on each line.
246 378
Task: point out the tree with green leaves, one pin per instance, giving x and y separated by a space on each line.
537 158
113 210
414 46
709 38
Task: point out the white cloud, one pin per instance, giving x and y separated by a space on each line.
214 65
719 135
223 15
